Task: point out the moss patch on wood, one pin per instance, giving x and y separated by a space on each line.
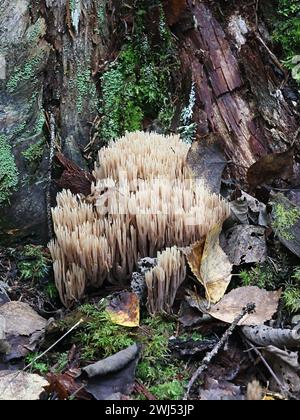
137 87
8 171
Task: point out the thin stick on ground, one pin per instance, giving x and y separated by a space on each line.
45 352
55 344
209 356
283 388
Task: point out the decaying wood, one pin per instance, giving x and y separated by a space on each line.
225 78
73 177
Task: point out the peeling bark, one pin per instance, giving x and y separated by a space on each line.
56 51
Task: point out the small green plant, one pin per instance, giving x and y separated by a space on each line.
287 33
61 362
51 291
38 366
173 390
100 337
192 336
262 275
34 153
291 298
284 220
291 294
188 127
137 86
8 171
34 263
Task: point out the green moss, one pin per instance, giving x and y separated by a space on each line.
34 153
99 338
34 263
173 390
287 33
284 219
24 73
262 275
86 89
8 171
291 298
35 31
291 294
137 86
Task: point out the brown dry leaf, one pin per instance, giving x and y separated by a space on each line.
266 304
206 161
124 309
211 265
271 167
215 267
65 385
194 256
21 329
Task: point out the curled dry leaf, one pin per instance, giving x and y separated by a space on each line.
232 304
114 375
210 265
124 309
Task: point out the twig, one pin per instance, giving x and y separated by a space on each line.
259 354
53 345
210 355
43 354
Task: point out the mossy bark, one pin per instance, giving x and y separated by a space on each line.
211 58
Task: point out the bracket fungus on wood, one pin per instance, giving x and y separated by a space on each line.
143 200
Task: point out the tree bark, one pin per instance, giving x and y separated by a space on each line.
56 51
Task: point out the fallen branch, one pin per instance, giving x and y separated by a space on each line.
250 308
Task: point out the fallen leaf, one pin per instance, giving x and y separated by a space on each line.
23 329
217 390
64 385
113 375
246 244
194 257
232 304
124 309
210 265
271 167
206 161
21 386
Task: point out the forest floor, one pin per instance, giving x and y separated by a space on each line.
241 352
